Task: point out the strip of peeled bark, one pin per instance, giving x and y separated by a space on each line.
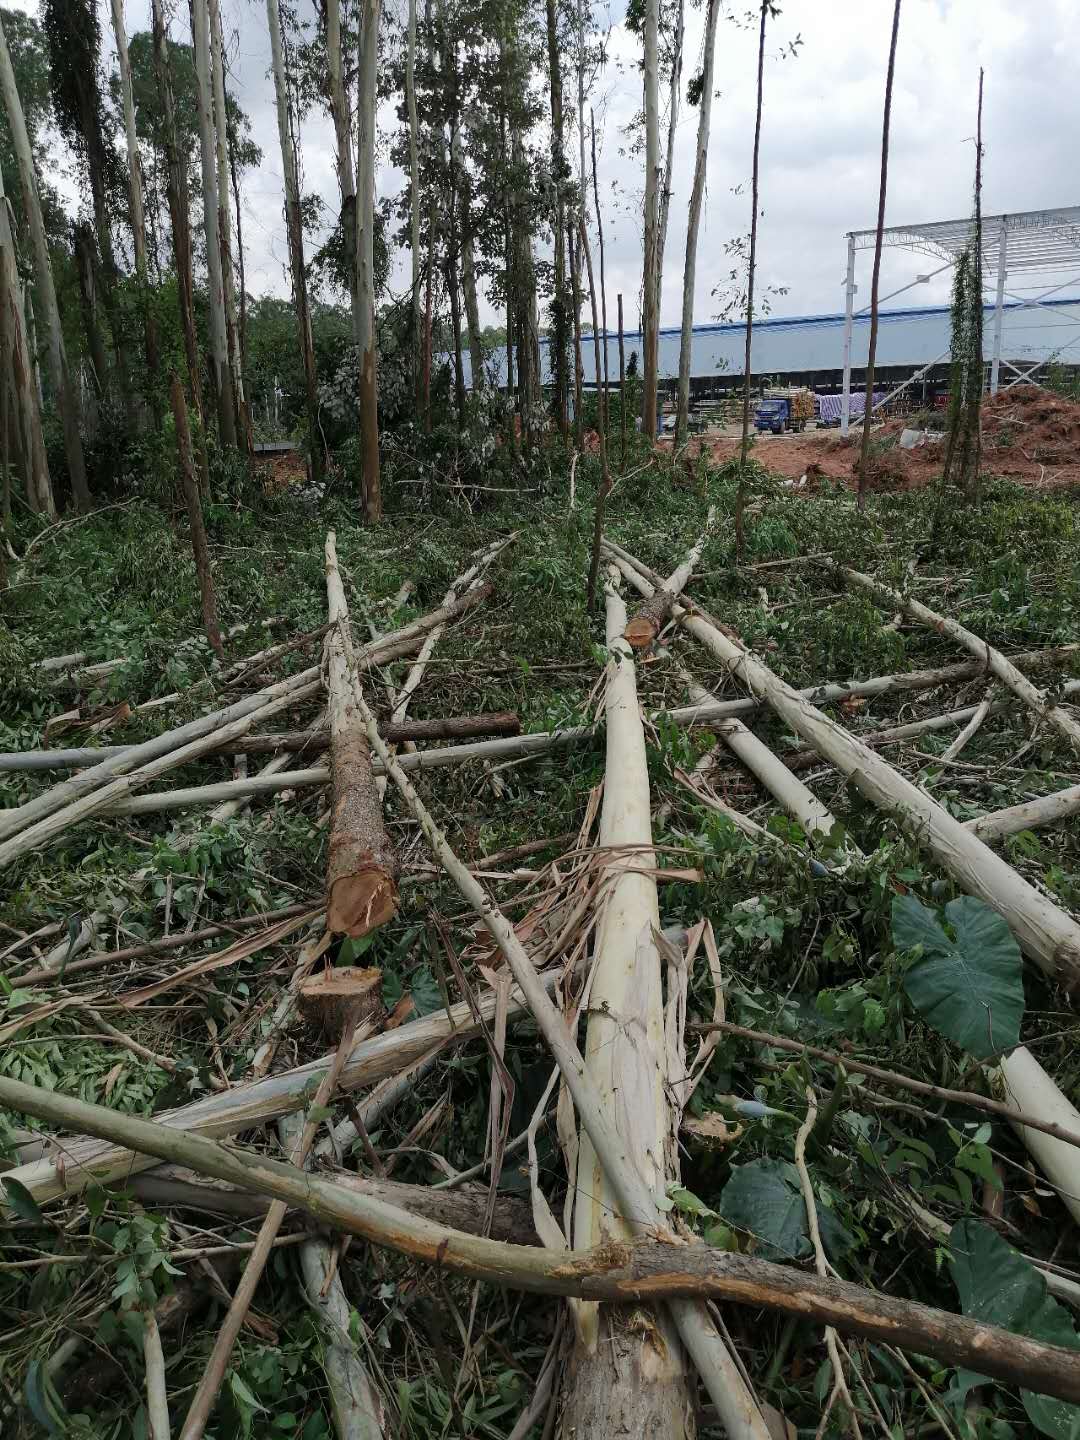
626 1373
652 616
647 1270
993 659
1046 932
362 865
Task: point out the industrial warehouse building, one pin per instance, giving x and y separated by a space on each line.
808 349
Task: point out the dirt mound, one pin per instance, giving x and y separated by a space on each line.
1028 434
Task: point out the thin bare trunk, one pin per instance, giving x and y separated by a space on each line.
179 215
559 177
16 362
864 453
85 253
573 251
232 335
343 153
67 395
603 281
235 176
601 430
189 485
650 314
744 449
295 232
370 480
673 122
693 224
135 196
414 199
219 345
622 392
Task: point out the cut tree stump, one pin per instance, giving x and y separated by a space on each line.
332 997
362 866
652 616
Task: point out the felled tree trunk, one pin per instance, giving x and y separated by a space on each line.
627 1374
651 617
362 866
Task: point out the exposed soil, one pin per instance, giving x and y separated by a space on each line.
1030 435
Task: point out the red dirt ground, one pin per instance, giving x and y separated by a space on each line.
1030 435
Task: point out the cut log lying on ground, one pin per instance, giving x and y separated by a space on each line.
84 1162
362 865
994 660
98 799
393 646
1031 815
461 1208
646 1271
637 1203
311 741
1046 932
511 747
651 617
1030 1089
816 819
901 682
613 1384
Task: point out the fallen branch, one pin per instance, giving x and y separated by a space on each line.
1048 934
647 1270
81 1162
1031 815
313 741
995 661
652 616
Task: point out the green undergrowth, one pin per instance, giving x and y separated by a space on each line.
806 950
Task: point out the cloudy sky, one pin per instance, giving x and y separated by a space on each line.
820 149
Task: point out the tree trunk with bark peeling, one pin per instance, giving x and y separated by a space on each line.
190 486
362 867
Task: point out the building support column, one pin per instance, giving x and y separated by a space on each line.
849 312
999 304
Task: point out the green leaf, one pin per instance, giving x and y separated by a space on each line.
22 1202
764 1198
243 1393
970 989
1000 1287
427 997
686 1201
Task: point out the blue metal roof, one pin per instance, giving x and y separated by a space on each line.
794 344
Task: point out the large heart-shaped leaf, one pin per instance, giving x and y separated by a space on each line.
1000 1287
764 1198
971 988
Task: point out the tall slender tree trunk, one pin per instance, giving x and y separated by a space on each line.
414 198
295 232
221 126
673 122
468 279
86 268
234 173
693 223
219 341
622 392
343 154
600 247
176 189
601 429
744 448
24 420
864 452
136 209
451 271
200 550
365 259
67 396
650 315
573 251
559 177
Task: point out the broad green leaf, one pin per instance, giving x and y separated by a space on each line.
765 1199
1000 1287
21 1201
971 988
686 1201
424 988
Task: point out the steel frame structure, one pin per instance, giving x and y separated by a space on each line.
1027 241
